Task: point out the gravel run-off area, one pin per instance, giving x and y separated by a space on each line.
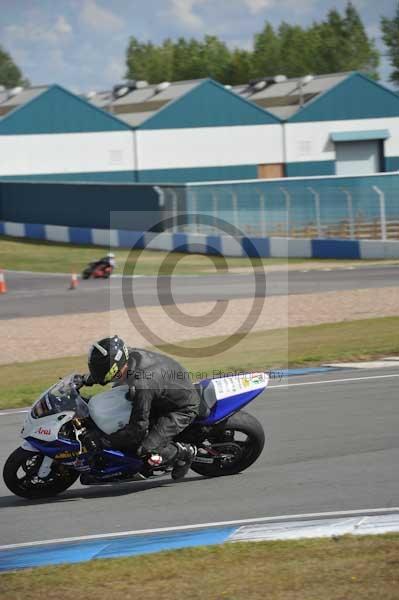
38 338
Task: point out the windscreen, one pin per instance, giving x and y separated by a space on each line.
60 397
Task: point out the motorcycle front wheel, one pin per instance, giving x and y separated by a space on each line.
232 451
20 475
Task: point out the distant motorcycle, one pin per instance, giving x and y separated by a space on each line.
96 270
53 456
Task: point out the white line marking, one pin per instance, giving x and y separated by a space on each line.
286 385
100 536
16 411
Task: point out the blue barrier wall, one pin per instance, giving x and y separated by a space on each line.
208 244
78 205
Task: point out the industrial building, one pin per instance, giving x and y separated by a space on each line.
183 131
339 124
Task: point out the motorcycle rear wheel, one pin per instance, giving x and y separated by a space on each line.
249 450
20 476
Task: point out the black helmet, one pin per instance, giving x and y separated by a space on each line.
106 358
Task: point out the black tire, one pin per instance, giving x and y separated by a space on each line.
245 423
61 479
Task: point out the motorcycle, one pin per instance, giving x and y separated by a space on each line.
97 270
53 455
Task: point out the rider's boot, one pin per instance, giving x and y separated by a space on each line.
182 462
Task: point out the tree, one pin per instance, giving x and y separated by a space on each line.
363 54
297 50
390 35
266 58
149 62
339 43
343 44
10 74
240 69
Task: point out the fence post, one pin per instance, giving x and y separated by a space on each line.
262 212
350 213
193 210
215 206
287 197
161 196
175 206
235 208
383 217
316 196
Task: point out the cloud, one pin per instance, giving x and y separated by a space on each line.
100 19
256 6
52 34
183 11
62 26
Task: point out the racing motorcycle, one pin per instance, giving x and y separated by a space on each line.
53 453
95 270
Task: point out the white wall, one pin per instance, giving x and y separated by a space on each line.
66 153
210 146
311 141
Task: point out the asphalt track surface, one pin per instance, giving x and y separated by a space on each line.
331 446
31 295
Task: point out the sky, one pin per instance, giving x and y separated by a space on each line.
81 44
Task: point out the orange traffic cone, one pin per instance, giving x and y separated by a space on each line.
74 282
3 285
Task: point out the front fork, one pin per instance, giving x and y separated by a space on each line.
45 467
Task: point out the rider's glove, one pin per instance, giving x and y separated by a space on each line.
78 381
82 380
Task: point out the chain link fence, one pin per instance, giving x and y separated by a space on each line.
347 208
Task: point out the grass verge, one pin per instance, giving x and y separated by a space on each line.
20 383
341 568
52 257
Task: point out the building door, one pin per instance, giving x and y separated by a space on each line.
272 171
358 158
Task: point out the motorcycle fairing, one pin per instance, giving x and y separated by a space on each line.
69 452
232 394
59 446
45 428
225 408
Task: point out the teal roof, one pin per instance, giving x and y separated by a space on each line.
57 110
209 104
356 97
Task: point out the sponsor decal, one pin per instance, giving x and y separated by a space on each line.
257 378
43 431
229 386
70 454
66 455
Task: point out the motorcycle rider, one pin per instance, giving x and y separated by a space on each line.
106 261
164 401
